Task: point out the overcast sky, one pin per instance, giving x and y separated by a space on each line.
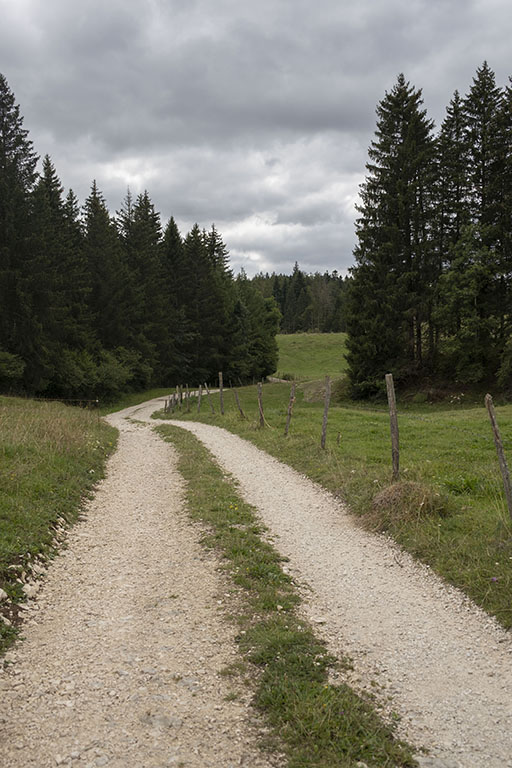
253 114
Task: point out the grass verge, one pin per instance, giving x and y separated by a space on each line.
50 457
448 509
316 723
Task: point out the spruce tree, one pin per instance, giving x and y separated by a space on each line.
472 308
108 300
481 109
391 287
17 177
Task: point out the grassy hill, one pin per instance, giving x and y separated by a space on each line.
306 356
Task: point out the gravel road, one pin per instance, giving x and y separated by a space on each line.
126 640
433 658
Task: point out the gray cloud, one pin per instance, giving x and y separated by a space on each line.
255 115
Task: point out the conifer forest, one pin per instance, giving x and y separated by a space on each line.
93 305
430 295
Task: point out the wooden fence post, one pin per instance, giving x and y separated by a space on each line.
199 395
221 390
327 402
393 419
209 397
260 404
501 453
290 409
242 414
188 399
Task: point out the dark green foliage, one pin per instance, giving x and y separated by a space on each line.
258 324
19 329
431 292
93 306
390 295
313 303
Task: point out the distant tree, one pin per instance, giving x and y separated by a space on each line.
261 323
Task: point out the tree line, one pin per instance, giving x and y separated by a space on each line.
430 295
307 302
92 305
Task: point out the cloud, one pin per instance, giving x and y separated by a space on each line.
254 115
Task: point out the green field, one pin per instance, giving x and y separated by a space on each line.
448 508
304 356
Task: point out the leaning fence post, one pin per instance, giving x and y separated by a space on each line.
242 414
290 409
221 390
501 453
393 419
260 404
188 399
199 395
327 402
209 397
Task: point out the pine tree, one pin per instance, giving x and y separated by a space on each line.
259 323
108 300
17 177
472 308
452 187
391 287
144 248
481 109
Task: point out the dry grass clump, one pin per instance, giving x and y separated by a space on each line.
32 424
403 502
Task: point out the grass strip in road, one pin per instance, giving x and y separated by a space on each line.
51 455
316 723
448 508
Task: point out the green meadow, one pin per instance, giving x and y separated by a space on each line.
306 356
448 507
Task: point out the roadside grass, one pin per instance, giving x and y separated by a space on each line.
448 509
315 723
305 356
51 455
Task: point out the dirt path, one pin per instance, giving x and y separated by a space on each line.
125 642
439 662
